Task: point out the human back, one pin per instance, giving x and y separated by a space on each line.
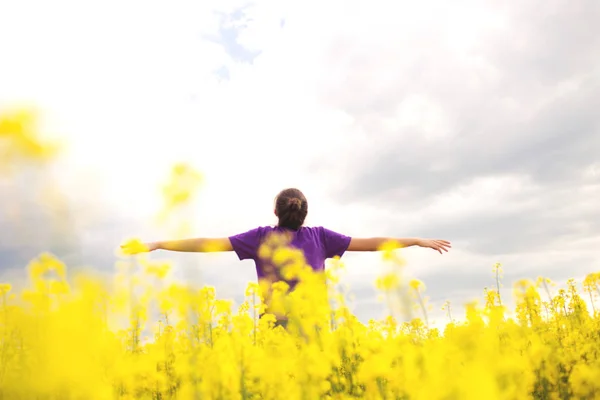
289 242
274 247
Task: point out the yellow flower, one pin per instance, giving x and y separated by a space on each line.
388 282
59 287
133 246
252 289
183 184
53 264
265 251
20 141
222 306
416 284
160 270
389 254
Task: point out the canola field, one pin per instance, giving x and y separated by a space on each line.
141 335
58 341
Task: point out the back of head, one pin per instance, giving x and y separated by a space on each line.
291 208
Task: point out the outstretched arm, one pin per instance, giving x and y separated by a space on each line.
200 245
377 243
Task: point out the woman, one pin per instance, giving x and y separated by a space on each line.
316 244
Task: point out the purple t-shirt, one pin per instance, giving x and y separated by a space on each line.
316 243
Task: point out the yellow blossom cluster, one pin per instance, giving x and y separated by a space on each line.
20 141
177 195
144 336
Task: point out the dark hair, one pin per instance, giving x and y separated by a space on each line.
291 208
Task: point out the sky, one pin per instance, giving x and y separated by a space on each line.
473 122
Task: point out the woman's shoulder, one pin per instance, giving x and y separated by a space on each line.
326 233
303 229
314 230
267 229
317 228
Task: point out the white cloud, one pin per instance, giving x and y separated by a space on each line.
132 86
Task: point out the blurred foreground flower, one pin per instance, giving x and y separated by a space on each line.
389 252
5 288
149 338
133 246
177 194
183 184
20 141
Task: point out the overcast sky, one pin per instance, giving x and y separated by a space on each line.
474 122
